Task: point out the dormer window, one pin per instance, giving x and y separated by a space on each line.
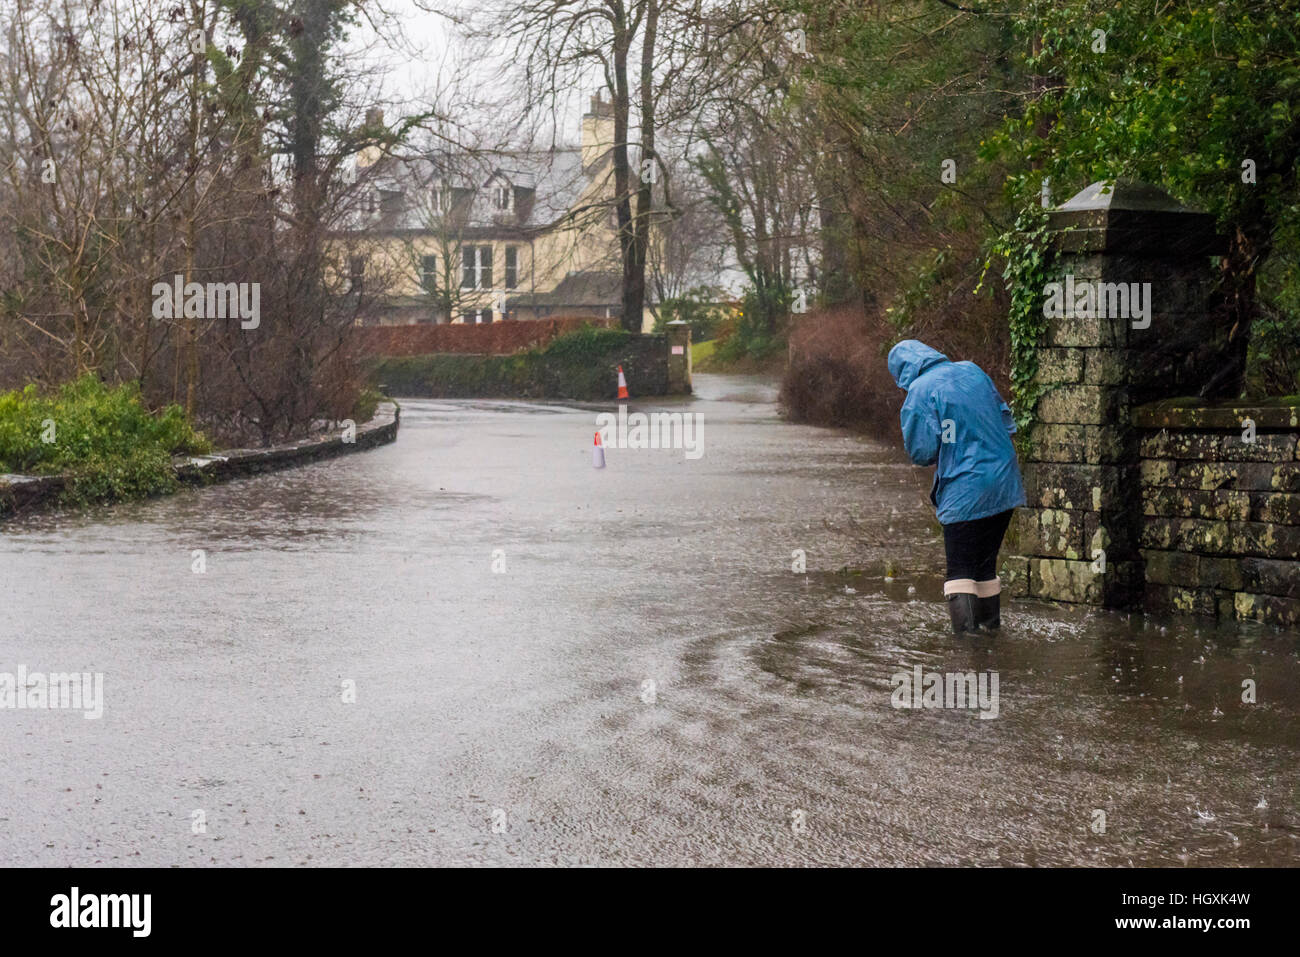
442 197
501 196
372 201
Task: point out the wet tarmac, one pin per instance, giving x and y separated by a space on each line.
553 664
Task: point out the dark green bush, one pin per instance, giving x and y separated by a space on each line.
367 403
1273 359
589 343
698 308
453 375
103 438
578 365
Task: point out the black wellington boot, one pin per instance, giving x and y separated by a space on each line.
962 608
988 612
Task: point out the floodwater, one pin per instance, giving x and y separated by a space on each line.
553 664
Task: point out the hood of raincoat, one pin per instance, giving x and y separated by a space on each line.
910 358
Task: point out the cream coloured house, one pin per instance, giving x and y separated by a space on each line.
482 237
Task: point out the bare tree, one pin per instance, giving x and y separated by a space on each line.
688 250
140 144
655 59
759 172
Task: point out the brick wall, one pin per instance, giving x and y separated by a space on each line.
496 338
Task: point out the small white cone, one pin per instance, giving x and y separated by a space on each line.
598 454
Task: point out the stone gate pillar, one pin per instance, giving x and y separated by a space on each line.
679 357
1128 320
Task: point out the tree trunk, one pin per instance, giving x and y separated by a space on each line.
634 265
623 178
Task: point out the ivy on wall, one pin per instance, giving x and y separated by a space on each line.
1024 249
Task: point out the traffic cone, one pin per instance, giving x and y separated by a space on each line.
622 384
598 454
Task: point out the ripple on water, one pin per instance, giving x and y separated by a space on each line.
770 736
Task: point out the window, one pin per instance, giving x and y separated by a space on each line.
356 271
441 197
372 201
429 273
512 267
476 267
501 197
473 317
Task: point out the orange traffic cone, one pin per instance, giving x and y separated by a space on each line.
598 454
622 384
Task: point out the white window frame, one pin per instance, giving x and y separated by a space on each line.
479 266
442 197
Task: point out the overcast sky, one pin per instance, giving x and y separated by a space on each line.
423 47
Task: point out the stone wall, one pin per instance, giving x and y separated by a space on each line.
489 339
21 493
1220 490
1079 536
1137 499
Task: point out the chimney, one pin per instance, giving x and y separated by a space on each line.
597 132
369 155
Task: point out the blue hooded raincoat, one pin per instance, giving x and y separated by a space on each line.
978 474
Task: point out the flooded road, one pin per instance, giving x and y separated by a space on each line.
553 664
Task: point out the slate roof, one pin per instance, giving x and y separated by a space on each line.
594 288
545 184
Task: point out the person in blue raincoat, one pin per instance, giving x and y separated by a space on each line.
954 418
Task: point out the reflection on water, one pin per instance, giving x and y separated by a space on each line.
523 689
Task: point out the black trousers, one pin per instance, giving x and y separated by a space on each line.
972 547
